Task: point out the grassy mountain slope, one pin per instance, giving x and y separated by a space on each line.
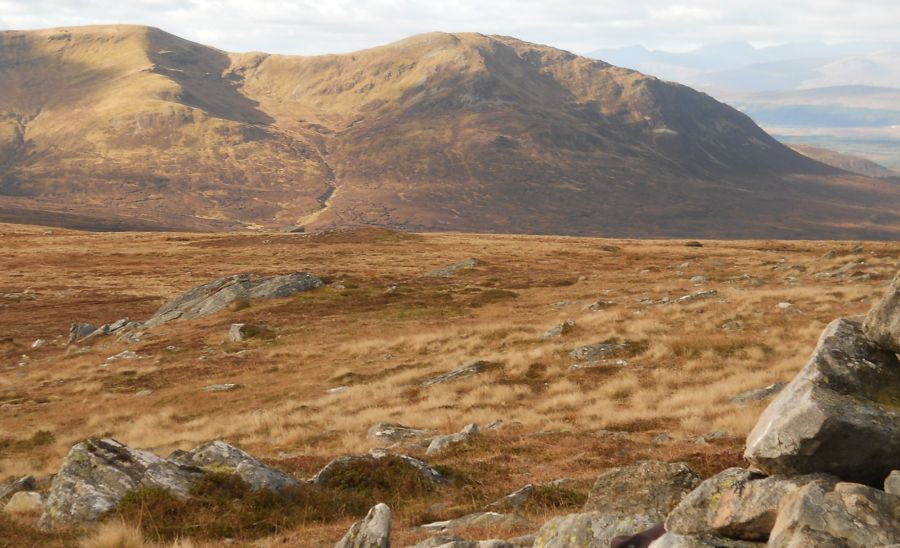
436 132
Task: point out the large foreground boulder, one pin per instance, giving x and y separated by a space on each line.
850 515
840 415
97 474
372 532
216 295
736 504
882 324
94 477
589 530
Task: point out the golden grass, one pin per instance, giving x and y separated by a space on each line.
379 346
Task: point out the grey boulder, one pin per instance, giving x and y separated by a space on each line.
649 488
452 269
218 454
892 483
330 475
372 532
845 515
589 530
216 295
25 483
735 504
95 475
391 432
882 324
674 540
840 415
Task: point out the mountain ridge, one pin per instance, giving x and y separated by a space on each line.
442 131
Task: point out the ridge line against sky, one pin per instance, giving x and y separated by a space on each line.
309 27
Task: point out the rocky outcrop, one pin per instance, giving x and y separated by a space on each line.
372 532
843 514
882 323
333 474
589 530
840 415
598 351
649 489
240 332
478 519
452 269
560 329
439 444
94 477
674 540
216 295
514 500
391 432
735 504
97 474
458 373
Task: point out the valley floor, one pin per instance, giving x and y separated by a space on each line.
353 354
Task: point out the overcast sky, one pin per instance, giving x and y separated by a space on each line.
326 26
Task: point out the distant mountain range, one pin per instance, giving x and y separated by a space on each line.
125 127
842 96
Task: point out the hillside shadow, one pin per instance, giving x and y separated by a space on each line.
199 71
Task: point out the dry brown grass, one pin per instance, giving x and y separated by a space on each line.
563 421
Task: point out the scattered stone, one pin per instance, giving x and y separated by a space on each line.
514 500
891 484
337 390
708 294
589 530
597 351
24 502
216 295
125 355
239 332
478 519
791 280
758 394
699 280
843 514
78 331
226 387
458 373
143 393
662 438
735 503
839 415
733 325
440 444
448 271
649 489
391 432
372 532
561 329
842 271
598 305
787 308
39 343
830 254
25 483
333 471
882 324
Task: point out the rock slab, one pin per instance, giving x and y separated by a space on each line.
882 323
372 532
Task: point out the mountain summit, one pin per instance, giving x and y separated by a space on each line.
124 127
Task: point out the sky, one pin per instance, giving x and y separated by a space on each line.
334 26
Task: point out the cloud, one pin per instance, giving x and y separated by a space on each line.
323 26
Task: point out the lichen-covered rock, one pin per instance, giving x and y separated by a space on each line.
589 530
24 502
335 472
892 483
216 295
372 532
516 499
177 479
94 477
882 324
478 519
25 483
674 540
840 415
850 515
458 373
391 432
452 269
218 454
649 488
736 504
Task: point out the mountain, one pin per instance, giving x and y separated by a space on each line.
847 162
123 127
